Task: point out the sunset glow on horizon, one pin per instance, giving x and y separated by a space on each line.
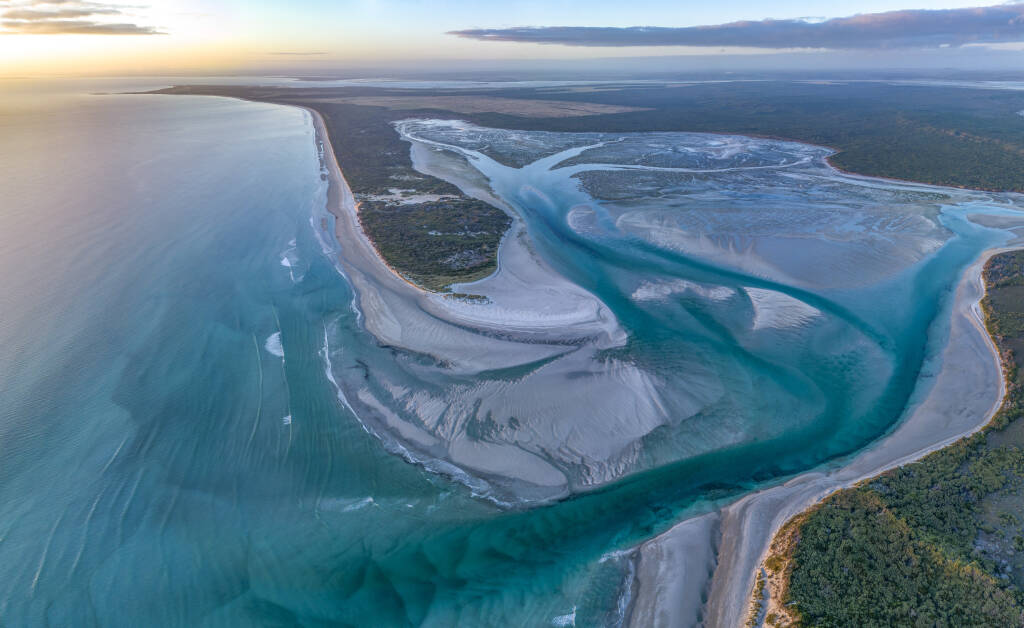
225 36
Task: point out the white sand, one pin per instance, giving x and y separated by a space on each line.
674 572
777 310
526 297
528 300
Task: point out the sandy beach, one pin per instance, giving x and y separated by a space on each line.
674 580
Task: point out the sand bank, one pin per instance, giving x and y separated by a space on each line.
531 318
526 298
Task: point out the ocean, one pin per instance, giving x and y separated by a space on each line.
173 451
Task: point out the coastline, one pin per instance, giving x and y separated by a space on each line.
716 581
340 196
968 390
668 591
392 312
674 592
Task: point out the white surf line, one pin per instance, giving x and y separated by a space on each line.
627 591
46 550
569 619
325 351
117 451
170 509
287 263
287 389
85 533
273 345
478 487
127 504
259 406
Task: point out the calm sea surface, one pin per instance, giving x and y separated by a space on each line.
161 463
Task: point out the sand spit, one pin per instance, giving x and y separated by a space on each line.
531 318
405 316
701 571
964 394
526 297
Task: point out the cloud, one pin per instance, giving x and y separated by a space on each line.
894 29
36 14
66 17
297 54
73 27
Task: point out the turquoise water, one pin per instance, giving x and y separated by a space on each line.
792 332
173 449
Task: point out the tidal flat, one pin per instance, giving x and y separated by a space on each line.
741 295
224 409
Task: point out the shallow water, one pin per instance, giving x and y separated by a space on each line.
776 313
174 451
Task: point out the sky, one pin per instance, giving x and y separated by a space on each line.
86 37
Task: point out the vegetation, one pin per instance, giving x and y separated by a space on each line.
771 589
934 543
940 135
436 243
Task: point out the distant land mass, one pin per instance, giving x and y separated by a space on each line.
434 235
